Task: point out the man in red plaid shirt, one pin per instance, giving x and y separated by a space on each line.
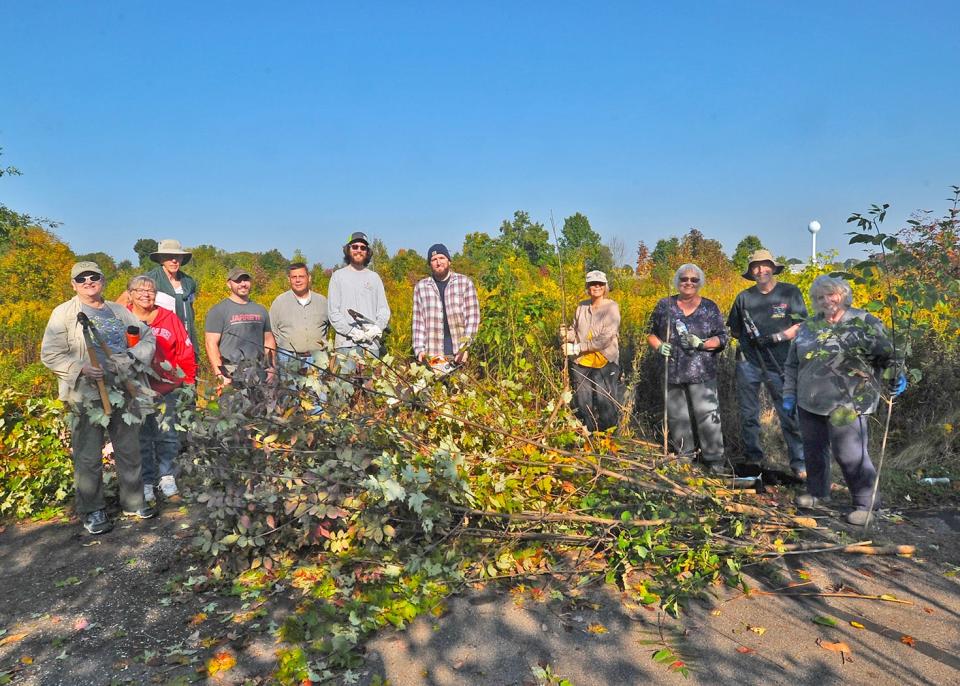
446 312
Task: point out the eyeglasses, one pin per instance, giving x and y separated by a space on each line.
84 278
689 279
359 246
144 291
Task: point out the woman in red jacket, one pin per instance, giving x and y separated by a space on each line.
175 366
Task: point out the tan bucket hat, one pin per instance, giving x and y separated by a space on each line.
762 255
171 246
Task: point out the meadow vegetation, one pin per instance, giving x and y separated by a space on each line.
377 508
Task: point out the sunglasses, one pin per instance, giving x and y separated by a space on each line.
167 258
84 278
689 279
595 283
359 246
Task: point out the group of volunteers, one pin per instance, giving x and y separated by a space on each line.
806 364
91 344
825 374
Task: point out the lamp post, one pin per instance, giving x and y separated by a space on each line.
813 227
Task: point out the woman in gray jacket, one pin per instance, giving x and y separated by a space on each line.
834 377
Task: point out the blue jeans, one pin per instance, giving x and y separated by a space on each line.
159 440
749 380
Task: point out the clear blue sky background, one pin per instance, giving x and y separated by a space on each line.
259 125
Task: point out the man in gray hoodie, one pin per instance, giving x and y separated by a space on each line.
355 287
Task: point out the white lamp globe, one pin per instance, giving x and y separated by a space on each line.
813 226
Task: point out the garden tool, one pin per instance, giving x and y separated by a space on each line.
95 363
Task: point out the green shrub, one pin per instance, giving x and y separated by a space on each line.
36 471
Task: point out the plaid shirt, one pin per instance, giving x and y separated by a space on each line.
463 314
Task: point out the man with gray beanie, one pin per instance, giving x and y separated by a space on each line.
446 311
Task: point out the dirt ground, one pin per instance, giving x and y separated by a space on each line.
129 608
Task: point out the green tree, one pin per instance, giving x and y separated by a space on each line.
664 251
143 247
527 238
378 253
408 266
744 249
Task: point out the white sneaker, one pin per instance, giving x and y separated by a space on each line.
148 494
168 485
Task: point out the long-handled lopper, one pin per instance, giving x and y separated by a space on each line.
95 363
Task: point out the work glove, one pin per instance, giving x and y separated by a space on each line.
770 340
359 335
665 349
373 331
691 342
572 348
897 385
563 331
789 403
119 364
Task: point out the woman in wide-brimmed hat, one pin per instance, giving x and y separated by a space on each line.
175 290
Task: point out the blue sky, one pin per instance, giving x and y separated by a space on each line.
250 126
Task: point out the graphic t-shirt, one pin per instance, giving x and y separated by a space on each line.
111 329
241 327
771 312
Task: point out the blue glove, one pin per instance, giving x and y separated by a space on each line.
898 385
789 403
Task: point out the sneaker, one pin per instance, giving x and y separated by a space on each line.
145 512
148 494
97 523
859 517
810 502
168 486
799 472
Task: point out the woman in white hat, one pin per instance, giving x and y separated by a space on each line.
175 290
594 343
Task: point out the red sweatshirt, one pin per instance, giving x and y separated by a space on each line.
173 346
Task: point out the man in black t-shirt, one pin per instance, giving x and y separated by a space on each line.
764 319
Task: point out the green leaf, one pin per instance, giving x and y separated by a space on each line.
824 621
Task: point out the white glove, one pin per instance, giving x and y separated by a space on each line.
372 331
359 335
572 348
665 349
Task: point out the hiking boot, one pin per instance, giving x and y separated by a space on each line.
811 502
717 469
145 512
168 486
799 472
97 522
148 494
859 517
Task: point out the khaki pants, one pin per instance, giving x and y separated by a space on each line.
88 441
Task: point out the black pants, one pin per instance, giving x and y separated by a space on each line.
597 395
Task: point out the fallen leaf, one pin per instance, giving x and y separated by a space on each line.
759 630
597 629
81 624
838 647
744 650
27 660
220 662
198 618
857 625
13 638
825 621
716 613
803 574
928 610
908 640
888 596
